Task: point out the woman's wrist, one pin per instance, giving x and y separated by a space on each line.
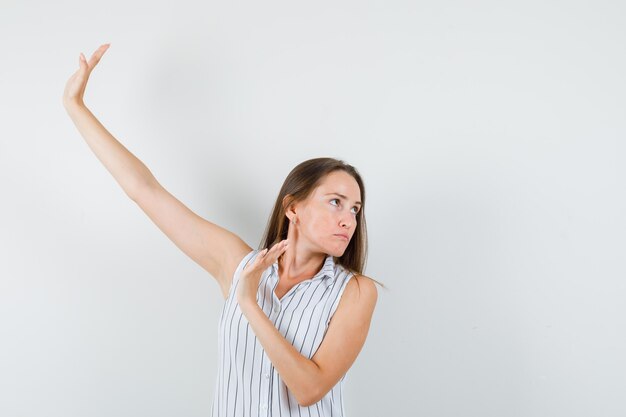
247 306
73 105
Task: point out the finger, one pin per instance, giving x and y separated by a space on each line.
95 57
259 259
278 249
278 246
82 61
265 256
269 255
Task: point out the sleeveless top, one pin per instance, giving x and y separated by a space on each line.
247 382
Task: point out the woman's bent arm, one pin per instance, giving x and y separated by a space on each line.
126 168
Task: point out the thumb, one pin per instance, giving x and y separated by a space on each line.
82 62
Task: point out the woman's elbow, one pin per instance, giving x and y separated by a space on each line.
309 398
307 402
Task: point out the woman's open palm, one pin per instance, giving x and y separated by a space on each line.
251 273
75 86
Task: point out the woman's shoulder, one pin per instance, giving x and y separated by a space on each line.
361 285
359 297
353 275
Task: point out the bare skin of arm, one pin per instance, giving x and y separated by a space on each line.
311 379
214 248
219 251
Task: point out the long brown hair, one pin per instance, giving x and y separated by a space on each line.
299 184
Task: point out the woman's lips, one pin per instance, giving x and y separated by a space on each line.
342 236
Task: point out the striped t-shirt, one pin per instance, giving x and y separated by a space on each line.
247 382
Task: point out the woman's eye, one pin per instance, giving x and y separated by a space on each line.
357 209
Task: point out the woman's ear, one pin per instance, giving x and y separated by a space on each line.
289 206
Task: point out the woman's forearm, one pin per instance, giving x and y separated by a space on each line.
126 168
301 374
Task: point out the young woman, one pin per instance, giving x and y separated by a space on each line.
297 311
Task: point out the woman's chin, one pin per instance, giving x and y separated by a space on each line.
337 252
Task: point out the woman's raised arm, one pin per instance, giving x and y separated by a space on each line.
127 169
214 248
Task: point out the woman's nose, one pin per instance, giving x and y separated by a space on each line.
346 222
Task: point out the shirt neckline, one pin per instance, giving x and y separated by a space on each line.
327 270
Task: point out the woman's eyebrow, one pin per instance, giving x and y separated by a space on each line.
345 198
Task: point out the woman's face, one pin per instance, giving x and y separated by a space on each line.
330 211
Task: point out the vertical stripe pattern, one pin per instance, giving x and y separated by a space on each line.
247 384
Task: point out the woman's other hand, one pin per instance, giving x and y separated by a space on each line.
75 86
251 274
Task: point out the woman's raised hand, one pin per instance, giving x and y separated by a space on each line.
75 86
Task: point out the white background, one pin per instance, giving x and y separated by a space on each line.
490 136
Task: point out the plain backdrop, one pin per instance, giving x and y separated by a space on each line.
490 136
